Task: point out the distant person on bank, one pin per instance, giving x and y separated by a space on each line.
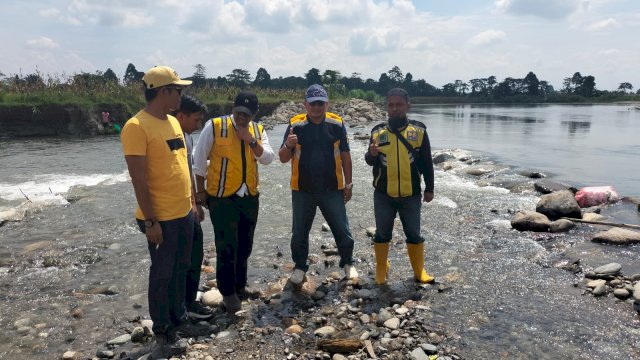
190 116
317 145
156 156
397 167
234 145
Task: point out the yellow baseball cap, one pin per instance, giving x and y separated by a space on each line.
159 76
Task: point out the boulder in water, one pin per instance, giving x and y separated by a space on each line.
559 204
617 236
530 221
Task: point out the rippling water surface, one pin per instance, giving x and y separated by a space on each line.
505 296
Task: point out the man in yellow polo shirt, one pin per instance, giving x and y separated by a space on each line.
156 155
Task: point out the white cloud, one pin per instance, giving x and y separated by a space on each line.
488 37
435 42
371 41
42 42
603 24
548 9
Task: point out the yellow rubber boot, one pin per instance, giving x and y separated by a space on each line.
382 262
416 257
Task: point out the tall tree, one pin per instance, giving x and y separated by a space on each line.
263 79
353 82
199 77
132 75
395 74
625 86
239 78
313 77
588 86
109 75
450 89
385 83
331 76
532 84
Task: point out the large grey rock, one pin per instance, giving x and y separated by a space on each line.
547 186
617 236
559 204
479 170
530 221
442 157
561 225
608 269
636 292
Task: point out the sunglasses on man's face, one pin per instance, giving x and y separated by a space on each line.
317 103
176 88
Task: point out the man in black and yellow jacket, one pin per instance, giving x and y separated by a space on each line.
400 152
233 145
317 145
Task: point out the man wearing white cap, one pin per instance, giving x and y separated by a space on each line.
317 145
154 149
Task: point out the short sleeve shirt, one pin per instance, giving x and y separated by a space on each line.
162 143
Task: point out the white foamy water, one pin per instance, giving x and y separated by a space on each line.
52 188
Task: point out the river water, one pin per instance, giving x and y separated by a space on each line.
506 292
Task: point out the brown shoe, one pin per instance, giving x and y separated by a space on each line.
232 303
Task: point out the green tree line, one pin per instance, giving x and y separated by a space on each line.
102 86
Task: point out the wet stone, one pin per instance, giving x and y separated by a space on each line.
600 290
419 354
137 334
621 293
122 339
105 354
325 331
429 349
392 323
608 269
595 283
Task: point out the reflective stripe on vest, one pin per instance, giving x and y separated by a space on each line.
229 162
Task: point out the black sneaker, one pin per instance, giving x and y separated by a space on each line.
232 303
186 329
160 349
248 292
198 311
166 346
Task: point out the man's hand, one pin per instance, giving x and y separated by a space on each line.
428 196
199 214
154 233
201 198
373 148
243 133
347 193
292 139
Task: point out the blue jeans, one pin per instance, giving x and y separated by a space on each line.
331 204
168 273
385 209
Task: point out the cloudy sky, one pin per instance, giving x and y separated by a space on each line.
436 40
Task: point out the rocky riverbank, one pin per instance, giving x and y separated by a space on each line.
75 120
331 318
355 112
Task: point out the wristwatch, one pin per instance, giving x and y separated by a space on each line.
253 143
349 186
149 223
